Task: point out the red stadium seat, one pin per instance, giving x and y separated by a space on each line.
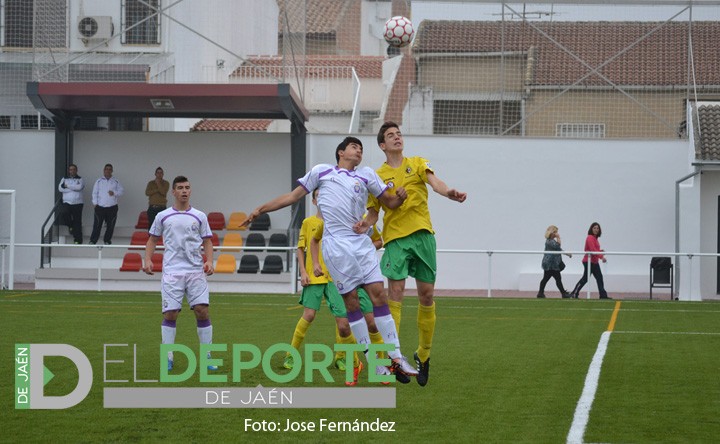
157 261
139 240
131 262
143 223
215 240
216 220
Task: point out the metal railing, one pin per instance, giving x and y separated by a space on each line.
292 263
46 235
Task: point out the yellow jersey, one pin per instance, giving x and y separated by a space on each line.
413 215
310 226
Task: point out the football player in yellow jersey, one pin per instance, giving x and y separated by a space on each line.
410 248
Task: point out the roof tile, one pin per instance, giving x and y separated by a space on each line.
231 125
315 66
622 51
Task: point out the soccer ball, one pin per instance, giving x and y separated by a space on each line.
399 31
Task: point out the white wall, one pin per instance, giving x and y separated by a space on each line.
709 232
374 15
228 171
27 162
517 187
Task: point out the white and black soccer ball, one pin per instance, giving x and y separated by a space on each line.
399 31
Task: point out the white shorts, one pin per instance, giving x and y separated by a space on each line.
176 286
351 261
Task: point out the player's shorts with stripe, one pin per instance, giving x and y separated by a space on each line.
351 262
176 286
413 255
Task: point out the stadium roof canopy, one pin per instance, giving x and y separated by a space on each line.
64 100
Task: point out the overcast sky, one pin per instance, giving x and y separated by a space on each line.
468 10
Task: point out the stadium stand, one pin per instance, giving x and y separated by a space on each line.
236 218
261 223
225 264
131 262
249 263
232 240
142 223
215 240
255 240
272 264
216 220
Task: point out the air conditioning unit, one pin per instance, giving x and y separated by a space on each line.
95 28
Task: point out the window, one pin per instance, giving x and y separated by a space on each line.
50 23
580 130
5 122
486 117
30 121
140 23
18 18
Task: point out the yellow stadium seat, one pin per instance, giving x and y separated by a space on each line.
225 264
236 218
232 240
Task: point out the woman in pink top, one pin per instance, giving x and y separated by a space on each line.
592 244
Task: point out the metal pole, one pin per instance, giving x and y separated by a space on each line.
589 267
11 266
690 281
2 269
489 274
99 269
293 274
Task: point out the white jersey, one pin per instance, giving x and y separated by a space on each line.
183 233
343 196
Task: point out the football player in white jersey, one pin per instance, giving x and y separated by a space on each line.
347 249
184 230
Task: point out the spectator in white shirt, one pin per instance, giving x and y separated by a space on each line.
71 187
105 195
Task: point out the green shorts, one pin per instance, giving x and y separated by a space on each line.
365 303
312 297
413 255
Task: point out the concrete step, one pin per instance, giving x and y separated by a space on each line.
87 279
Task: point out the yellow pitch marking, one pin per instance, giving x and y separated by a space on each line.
613 318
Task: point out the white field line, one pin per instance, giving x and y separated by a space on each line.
582 411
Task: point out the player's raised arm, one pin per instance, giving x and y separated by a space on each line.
279 202
441 188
